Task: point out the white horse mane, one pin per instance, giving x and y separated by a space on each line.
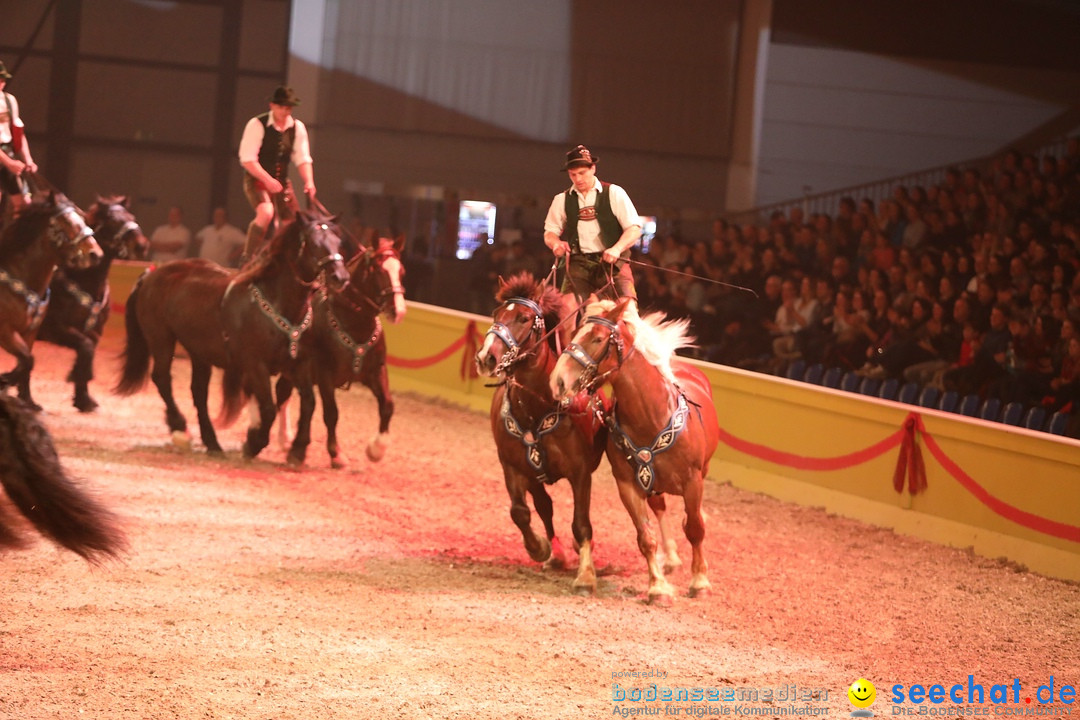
655 336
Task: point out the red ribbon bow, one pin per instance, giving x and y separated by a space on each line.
910 461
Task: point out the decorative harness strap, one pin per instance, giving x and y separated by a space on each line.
93 307
35 304
643 457
357 350
294 332
534 450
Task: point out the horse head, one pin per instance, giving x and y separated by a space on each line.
519 324
318 255
69 234
116 230
378 273
597 350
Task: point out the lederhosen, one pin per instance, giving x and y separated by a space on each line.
274 156
588 272
9 182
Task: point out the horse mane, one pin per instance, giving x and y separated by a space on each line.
546 295
21 232
286 233
656 336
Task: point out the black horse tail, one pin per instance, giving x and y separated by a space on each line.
136 353
38 486
233 397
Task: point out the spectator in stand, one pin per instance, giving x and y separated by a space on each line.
171 241
989 363
220 241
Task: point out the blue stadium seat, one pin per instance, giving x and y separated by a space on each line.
814 373
795 369
870 386
1058 424
990 410
1035 418
1013 414
850 381
949 400
888 389
831 378
928 398
909 393
969 405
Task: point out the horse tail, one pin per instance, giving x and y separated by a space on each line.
136 353
32 476
233 397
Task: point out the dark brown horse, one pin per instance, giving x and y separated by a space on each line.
46 234
250 323
346 344
539 441
79 304
662 429
35 481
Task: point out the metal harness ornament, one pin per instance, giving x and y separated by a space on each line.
534 451
642 457
294 332
36 305
357 350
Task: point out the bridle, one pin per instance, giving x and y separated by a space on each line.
590 377
503 332
69 232
306 233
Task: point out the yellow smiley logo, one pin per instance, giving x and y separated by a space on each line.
862 693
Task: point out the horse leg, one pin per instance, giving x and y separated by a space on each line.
298 451
330 420
585 582
19 377
376 448
539 548
258 435
82 372
670 552
660 590
162 377
282 394
546 510
200 390
694 527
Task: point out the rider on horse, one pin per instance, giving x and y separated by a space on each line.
270 141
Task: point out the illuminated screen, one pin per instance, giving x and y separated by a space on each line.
476 224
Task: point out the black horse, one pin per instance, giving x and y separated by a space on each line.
79 304
249 323
347 344
38 486
45 234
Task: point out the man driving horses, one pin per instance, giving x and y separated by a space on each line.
593 224
15 159
270 141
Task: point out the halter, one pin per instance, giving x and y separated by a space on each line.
117 240
321 264
589 378
501 331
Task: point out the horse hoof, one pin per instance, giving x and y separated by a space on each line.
86 404
181 439
661 600
700 592
584 590
215 452
376 449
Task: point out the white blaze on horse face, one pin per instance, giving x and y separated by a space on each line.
483 354
394 269
563 377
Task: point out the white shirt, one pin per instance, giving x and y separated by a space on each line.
9 108
254 132
589 230
220 243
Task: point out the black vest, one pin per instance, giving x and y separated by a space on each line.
610 228
276 149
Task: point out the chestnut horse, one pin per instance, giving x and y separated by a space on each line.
79 305
539 441
39 488
663 427
45 234
250 323
346 344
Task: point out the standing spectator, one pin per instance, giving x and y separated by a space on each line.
15 159
220 241
170 241
270 141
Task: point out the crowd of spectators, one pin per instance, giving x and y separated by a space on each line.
970 285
